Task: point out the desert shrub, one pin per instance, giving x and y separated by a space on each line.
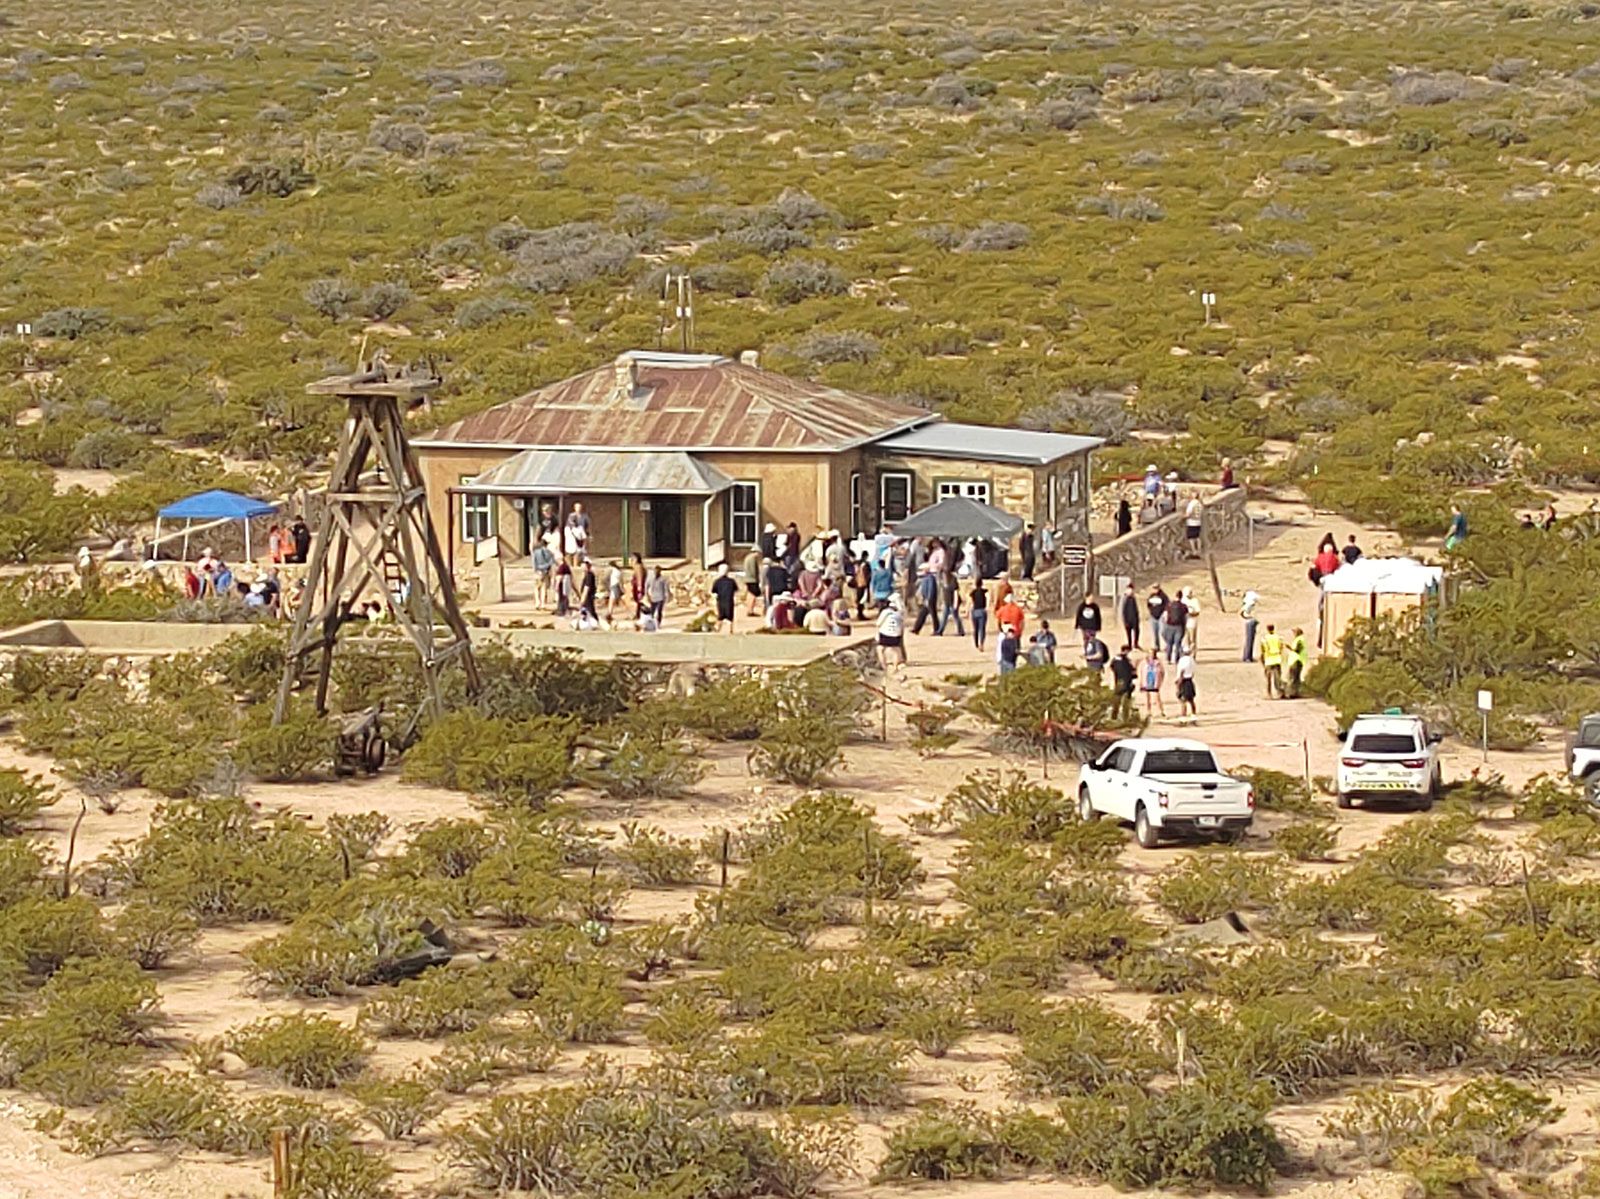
72 323
999 806
523 882
339 1170
311 1051
781 1063
827 347
446 849
1078 1048
798 750
730 709
396 1107
1018 705
932 1015
22 798
355 938
150 932
39 935
70 1042
1208 885
217 860
381 300
1548 796
491 1052
941 1144
1280 792
652 858
1446 1143
1307 840
636 762
435 1004
1372 688
299 748
562 258
331 298
807 861
518 764
994 236
280 178
802 279
480 311
22 863
1212 1133
1098 414
405 138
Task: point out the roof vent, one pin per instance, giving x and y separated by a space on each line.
750 358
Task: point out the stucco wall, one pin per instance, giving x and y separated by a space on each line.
1147 554
793 486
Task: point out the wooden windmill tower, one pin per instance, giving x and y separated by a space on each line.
375 540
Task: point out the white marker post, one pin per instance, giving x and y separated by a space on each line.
1209 299
1486 705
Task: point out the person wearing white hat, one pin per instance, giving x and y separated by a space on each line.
1152 481
1247 616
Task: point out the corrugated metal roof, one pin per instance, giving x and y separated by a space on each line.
682 402
599 472
987 443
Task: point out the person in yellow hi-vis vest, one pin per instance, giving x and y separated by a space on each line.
1272 662
1299 658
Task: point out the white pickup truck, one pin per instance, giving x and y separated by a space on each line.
1583 756
1165 785
1389 756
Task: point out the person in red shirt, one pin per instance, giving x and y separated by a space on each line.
1327 560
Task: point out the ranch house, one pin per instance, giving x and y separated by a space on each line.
689 456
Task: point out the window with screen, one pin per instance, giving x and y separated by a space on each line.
894 496
972 489
477 516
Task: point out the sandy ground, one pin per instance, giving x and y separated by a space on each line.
206 994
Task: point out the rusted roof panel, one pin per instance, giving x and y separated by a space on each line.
683 402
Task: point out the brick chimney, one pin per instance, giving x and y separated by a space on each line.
627 376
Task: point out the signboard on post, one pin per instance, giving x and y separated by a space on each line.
1111 585
1074 555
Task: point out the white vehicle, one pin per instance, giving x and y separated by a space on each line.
1583 756
1389 756
1165 785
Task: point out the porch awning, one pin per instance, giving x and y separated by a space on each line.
599 472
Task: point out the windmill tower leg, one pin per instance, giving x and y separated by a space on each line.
378 539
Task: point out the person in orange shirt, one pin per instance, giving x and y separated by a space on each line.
1010 614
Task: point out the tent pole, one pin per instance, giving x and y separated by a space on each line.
155 546
187 522
248 556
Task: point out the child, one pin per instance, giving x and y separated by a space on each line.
1151 675
1006 653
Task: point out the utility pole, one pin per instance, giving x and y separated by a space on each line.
685 311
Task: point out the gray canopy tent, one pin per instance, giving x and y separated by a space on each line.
961 517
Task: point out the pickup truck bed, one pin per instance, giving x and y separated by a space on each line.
1165 787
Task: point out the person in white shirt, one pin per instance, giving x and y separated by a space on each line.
1247 616
1186 693
1193 519
892 634
1192 628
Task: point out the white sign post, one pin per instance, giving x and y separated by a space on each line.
1209 299
1486 705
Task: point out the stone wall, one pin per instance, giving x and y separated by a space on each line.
1146 555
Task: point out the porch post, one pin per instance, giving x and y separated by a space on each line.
627 540
705 534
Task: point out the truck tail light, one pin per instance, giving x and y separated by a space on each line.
1414 763
1250 798
1352 761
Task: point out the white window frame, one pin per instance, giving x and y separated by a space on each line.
735 513
971 489
883 493
1053 490
1074 486
856 528
477 514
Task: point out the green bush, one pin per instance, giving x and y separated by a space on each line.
71 1041
311 1051
516 764
22 798
797 750
1078 1048
1307 840
39 935
149 932
1207 1134
436 1003
396 1107
993 805
652 858
1019 704
1208 885
943 1144
730 709
298 749
1280 792
340 1171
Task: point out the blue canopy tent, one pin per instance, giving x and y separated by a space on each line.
212 506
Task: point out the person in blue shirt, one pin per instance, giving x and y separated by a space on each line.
1458 528
882 581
